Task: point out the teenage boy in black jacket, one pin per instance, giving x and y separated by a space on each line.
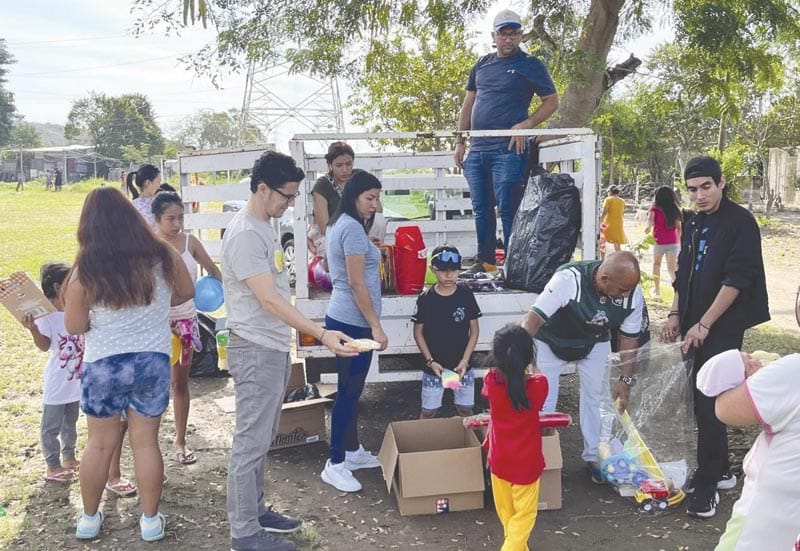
720 291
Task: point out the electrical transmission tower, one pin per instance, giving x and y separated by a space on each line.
274 97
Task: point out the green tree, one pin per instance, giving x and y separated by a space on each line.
342 37
414 87
209 129
25 135
734 47
116 122
7 107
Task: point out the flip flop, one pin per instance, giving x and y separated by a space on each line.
185 458
67 475
122 488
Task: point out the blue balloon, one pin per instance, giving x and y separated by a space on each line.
208 294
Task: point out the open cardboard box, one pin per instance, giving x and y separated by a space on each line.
432 466
301 422
550 481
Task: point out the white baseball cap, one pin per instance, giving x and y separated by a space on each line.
507 18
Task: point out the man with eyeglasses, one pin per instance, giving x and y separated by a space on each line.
260 318
500 88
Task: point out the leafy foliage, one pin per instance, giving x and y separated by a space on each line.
25 135
414 87
7 108
116 122
209 129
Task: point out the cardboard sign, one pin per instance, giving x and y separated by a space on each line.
21 296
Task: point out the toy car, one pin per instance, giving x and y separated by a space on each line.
652 494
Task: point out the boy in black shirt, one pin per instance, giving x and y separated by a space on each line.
446 330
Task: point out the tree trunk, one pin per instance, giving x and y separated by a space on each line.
587 87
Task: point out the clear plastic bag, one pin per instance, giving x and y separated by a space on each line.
647 451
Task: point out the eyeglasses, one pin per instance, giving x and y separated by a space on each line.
289 198
448 256
508 35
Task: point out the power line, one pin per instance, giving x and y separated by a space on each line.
84 69
81 39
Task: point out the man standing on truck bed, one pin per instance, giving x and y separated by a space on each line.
500 88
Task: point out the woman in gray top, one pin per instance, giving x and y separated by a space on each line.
354 309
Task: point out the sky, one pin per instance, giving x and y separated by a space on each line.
86 45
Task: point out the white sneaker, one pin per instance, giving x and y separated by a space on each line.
360 459
338 476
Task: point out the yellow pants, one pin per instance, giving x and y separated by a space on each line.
516 506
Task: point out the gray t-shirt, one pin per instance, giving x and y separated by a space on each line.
345 238
251 247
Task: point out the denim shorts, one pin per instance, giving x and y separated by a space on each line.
136 380
432 391
673 248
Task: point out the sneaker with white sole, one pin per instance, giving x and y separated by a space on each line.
88 527
338 476
153 528
272 521
727 482
703 503
360 459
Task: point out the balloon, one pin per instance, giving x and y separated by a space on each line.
318 273
208 294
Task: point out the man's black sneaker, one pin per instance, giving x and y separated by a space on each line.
273 521
703 503
727 482
261 541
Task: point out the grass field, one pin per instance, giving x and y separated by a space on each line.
37 226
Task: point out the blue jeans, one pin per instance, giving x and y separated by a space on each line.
351 374
495 179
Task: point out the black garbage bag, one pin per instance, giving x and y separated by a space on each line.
205 362
545 231
306 392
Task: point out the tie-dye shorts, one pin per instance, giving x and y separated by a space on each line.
136 380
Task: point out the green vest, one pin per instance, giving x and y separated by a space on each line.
586 319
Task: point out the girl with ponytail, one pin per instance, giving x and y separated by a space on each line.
147 180
514 439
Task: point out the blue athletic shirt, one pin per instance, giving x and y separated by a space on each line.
504 89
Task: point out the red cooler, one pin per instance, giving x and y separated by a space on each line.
410 260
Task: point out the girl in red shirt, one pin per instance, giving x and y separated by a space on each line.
514 439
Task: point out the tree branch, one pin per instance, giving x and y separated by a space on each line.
541 33
619 71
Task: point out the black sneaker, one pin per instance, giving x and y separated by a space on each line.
261 541
727 482
273 521
703 503
481 267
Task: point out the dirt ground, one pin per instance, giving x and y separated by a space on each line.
592 517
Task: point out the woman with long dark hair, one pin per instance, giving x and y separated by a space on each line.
119 292
664 220
355 310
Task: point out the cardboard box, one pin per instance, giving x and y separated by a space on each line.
432 466
550 482
301 422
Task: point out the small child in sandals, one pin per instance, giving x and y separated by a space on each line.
62 379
